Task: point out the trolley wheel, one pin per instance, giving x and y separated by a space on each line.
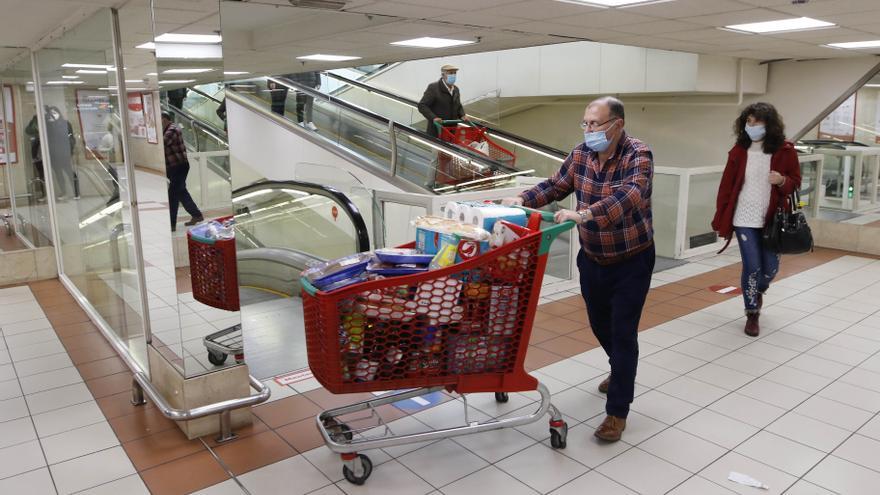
501 397
367 466
558 436
338 431
216 358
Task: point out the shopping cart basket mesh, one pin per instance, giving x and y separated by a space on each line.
468 322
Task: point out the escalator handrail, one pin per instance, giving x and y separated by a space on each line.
461 150
414 104
362 236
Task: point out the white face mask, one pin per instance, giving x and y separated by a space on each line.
756 132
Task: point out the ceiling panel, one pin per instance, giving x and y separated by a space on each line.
689 8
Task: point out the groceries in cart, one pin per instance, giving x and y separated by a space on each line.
214 230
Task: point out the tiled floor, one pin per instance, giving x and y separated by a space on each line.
797 408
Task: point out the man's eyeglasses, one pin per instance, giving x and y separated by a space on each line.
595 125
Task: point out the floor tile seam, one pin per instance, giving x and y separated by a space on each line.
225 467
34 426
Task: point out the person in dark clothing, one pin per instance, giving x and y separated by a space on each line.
221 112
59 135
278 93
33 132
305 102
176 169
442 100
176 97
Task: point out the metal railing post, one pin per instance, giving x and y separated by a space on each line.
137 393
392 136
226 433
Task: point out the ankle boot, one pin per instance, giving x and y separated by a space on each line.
752 328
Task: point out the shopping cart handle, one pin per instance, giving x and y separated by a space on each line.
545 215
307 286
443 123
549 234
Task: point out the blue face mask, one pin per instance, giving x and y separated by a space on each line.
450 79
756 132
597 140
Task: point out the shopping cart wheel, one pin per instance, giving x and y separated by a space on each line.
366 469
501 397
339 432
216 358
558 434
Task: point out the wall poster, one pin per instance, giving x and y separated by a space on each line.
150 118
8 109
840 123
137 127
95 112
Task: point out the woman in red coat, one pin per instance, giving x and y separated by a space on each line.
762 170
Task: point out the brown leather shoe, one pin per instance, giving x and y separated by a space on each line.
603 387
611 429
752 327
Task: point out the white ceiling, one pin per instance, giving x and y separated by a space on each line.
266 36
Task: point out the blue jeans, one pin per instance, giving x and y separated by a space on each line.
759 266
615 295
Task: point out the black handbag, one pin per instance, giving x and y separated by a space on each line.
788 232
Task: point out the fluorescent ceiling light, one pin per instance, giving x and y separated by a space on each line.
114 88
152 74
795 24
69 77
91 71
328 58
87 66
235 72
872 85
63 82
177 81
189 38
133 81
613 3
856 44
429 42
189 51
186 71
147 46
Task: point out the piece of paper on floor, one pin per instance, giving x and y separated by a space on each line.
744 479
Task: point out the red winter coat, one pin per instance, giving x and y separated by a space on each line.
784 161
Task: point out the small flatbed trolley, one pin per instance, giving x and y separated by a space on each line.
214 275
464 329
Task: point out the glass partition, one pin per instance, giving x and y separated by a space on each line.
664 202
702 192
25 161
82 134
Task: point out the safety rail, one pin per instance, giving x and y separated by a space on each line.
141 387
534 146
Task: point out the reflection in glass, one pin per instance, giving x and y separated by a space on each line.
83 132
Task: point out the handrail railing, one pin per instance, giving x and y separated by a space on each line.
206 95
516 139
361 233
140 383
434 142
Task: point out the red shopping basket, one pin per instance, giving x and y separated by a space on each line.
453 170
213 271
465 327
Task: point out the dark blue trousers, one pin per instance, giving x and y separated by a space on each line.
615 295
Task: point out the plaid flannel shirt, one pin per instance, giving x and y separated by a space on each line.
175 149
618 195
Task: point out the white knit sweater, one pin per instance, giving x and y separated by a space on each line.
754 198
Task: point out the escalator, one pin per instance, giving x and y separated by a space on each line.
282 227
407 158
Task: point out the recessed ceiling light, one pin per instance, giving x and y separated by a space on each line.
856 44
234 72
86 66
152 74
795 24
134 81
147 46
188 38
63 82
428 42
328 58
872 85
186 71
91 71
177 81
613 3
113 88
69 77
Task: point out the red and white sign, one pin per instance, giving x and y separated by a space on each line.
294 377
137 125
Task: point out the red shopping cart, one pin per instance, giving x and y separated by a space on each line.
463 329
452 169
214 276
